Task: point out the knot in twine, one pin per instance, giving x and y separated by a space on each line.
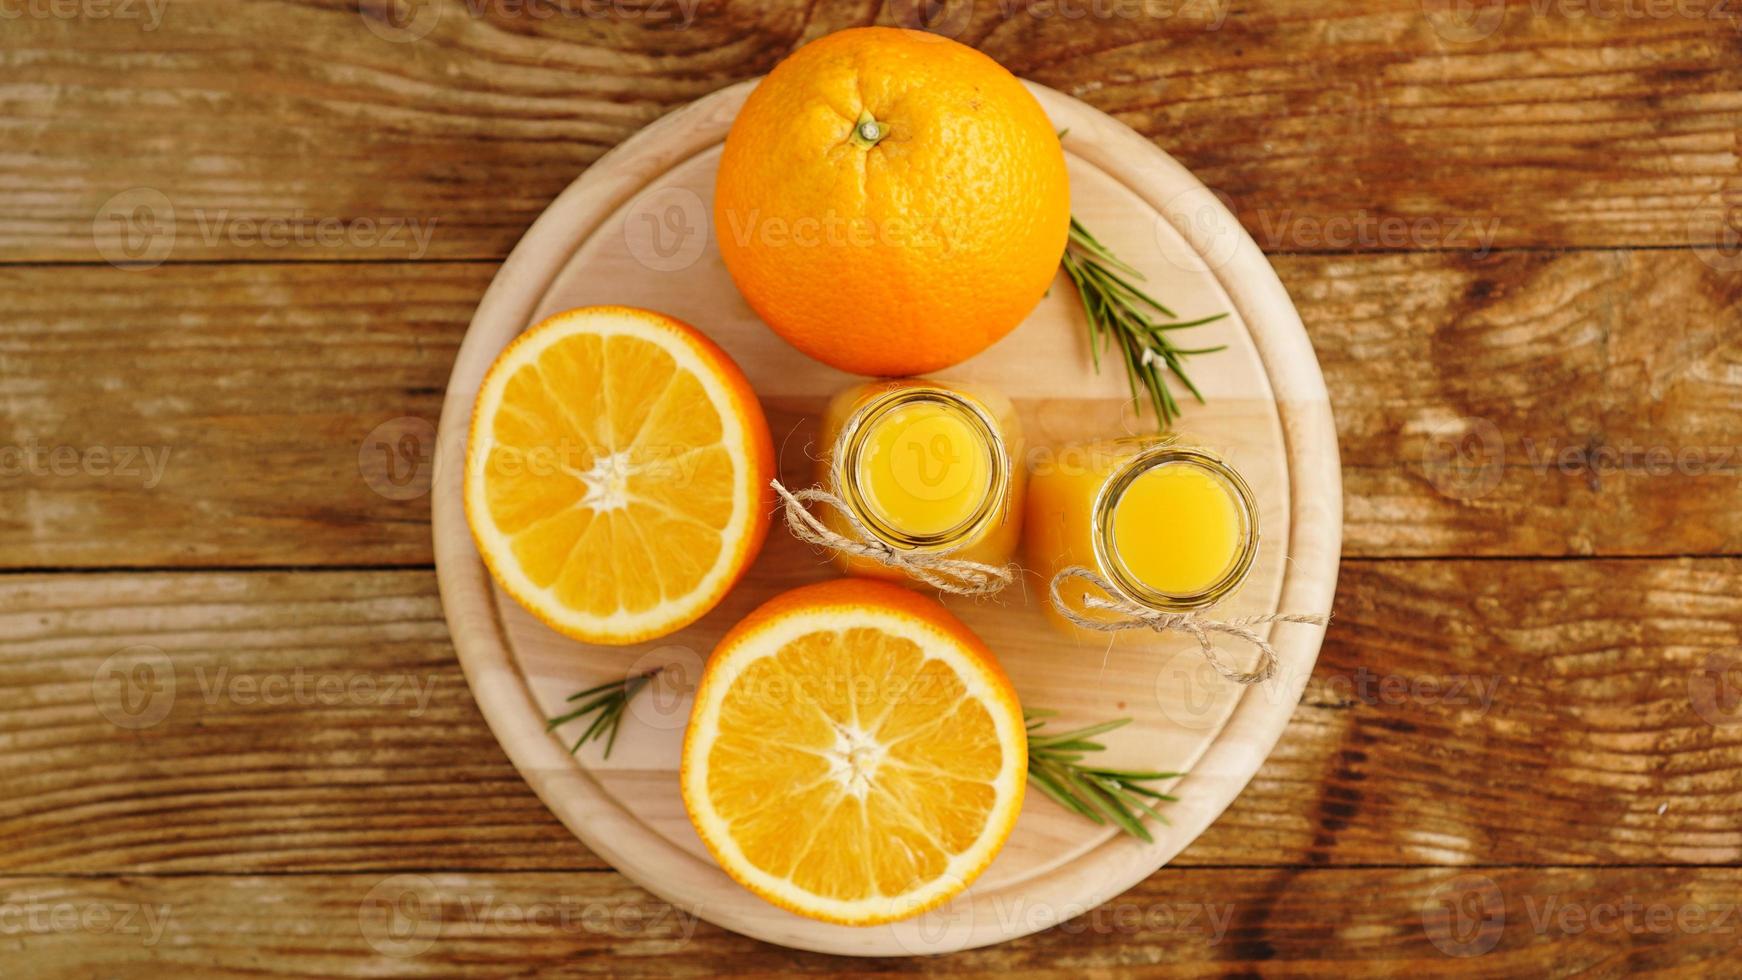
954 575
1193 623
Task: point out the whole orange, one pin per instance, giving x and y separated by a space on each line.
891 202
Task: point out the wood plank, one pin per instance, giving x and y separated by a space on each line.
283 720
1463 712
1498 922
1404 125
243 399
1495 712
291 407
1531 404
190 130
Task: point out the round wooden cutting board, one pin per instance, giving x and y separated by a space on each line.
634 229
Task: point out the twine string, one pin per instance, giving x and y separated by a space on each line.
1193 623
954 575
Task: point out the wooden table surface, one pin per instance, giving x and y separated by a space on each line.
239 245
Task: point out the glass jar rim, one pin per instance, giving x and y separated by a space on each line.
850 445
1120 576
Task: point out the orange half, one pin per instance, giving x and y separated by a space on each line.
855 754
616 473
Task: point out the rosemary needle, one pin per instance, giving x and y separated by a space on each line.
1056 767
1119 310
606 704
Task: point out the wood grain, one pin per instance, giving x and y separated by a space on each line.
1503 712
1463 713
172 721
1532 404
1593 922
253 389
299 131
1475 718
261 386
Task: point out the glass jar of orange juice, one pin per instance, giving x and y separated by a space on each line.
1168 526
927 467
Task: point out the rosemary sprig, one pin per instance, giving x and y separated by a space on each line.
1055 765
1055 760
1117 310
606 703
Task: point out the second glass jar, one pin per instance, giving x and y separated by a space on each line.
1169 527
928 467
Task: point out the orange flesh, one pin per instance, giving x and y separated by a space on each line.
608 474
853 766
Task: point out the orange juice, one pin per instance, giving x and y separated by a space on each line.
924 467
1202 532
927 467
1168 527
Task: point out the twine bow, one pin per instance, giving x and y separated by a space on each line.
954 575
1193 623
